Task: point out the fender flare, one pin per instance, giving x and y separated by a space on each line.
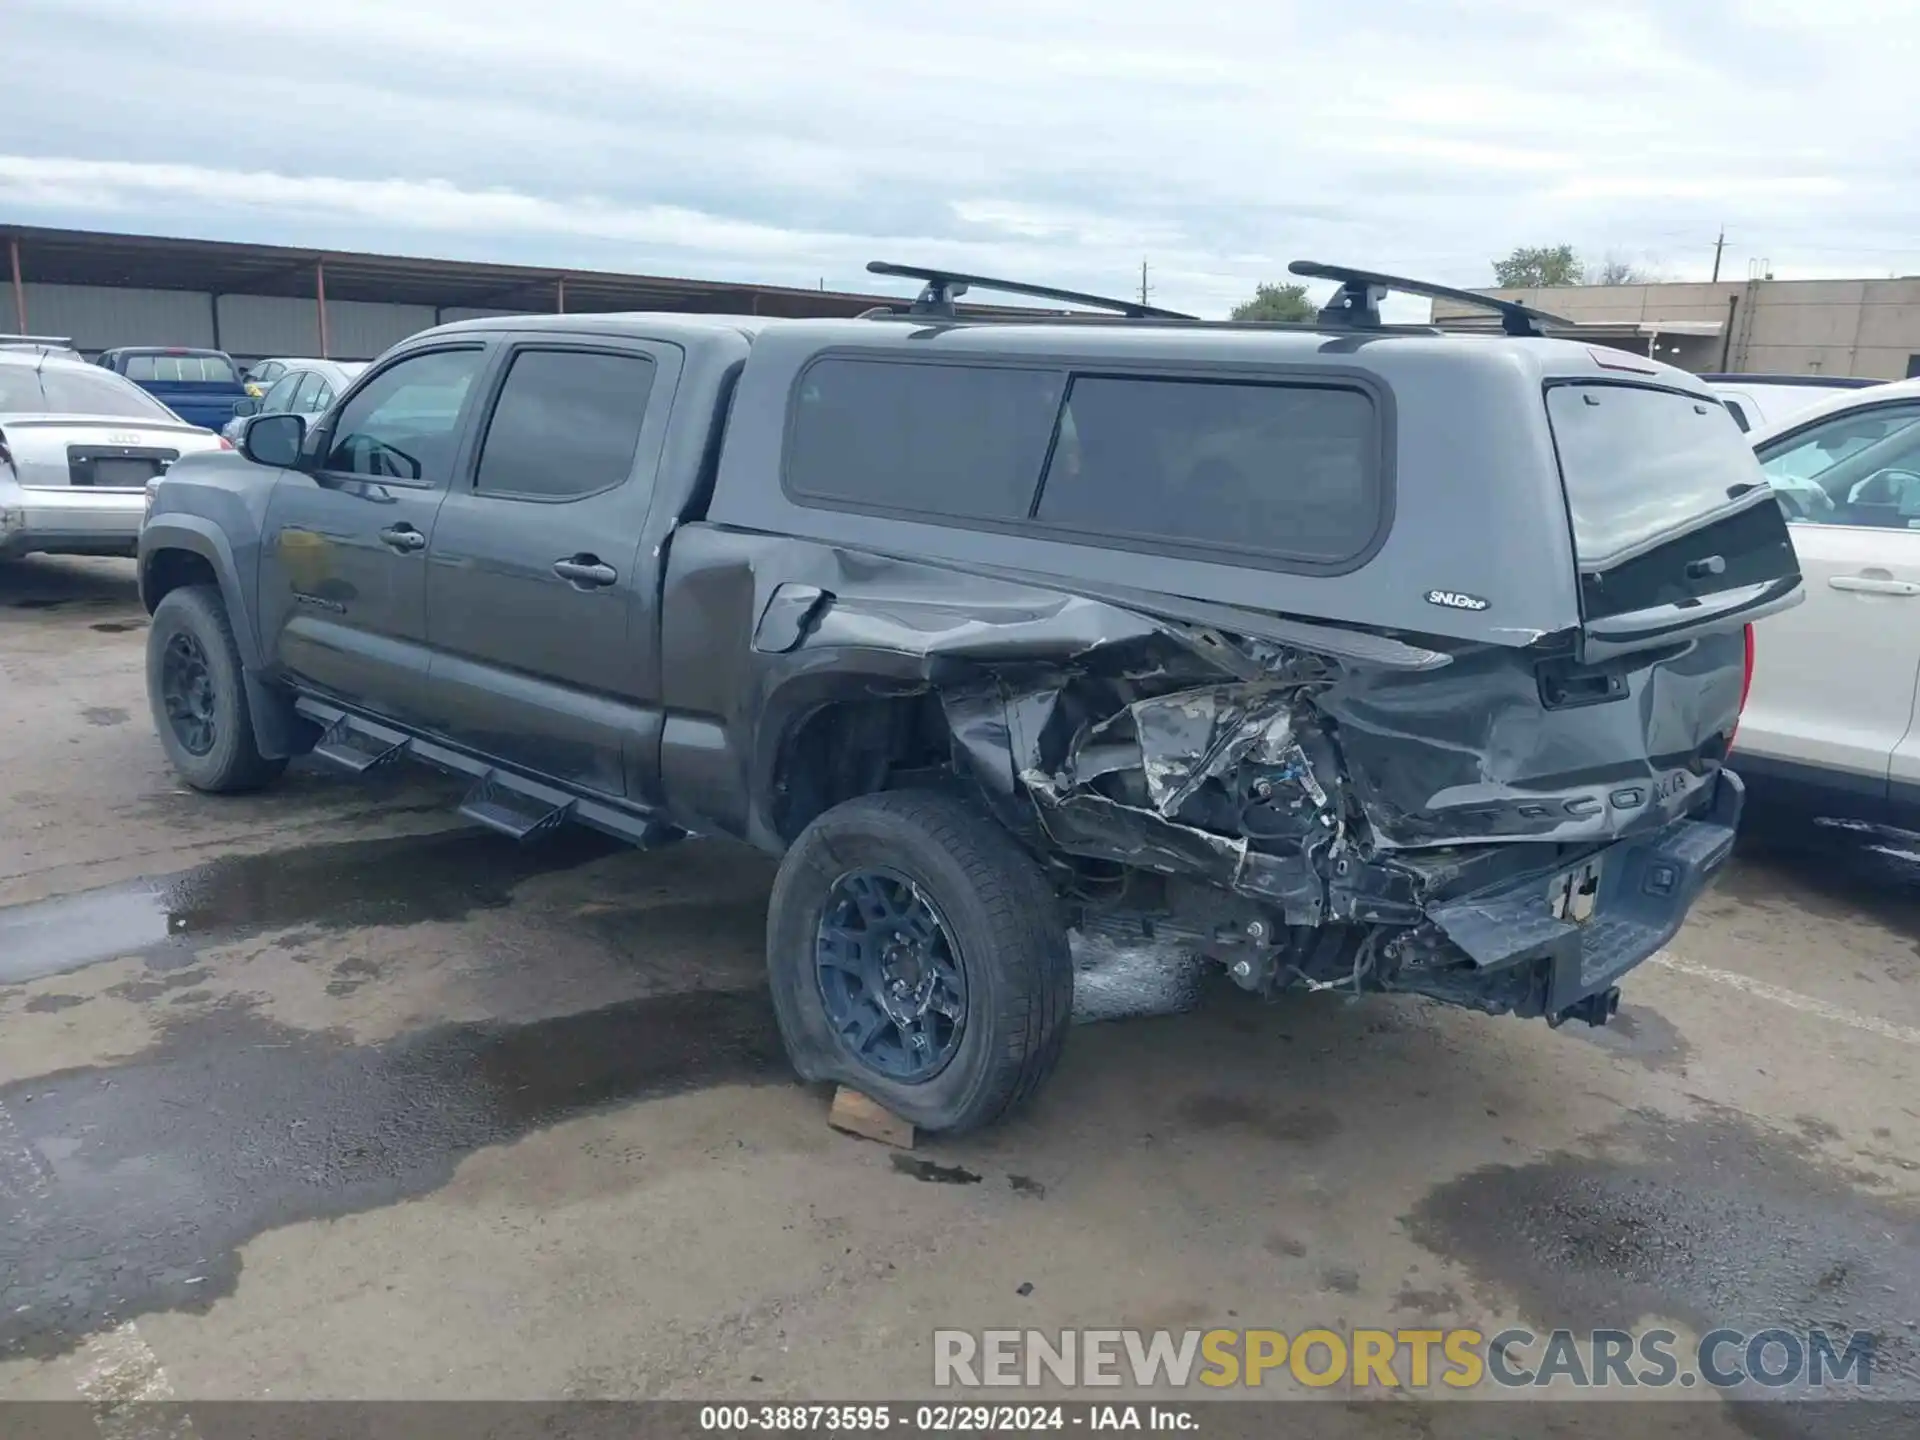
196 536
277 731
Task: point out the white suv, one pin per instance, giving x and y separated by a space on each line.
1833 705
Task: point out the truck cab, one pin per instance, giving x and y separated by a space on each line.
200 386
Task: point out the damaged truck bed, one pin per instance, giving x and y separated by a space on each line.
1306 805
1348 655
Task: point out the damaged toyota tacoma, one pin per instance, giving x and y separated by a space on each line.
1349 655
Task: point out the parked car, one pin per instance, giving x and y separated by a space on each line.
1293 643
1757 401
60 345
200 386
1832 717
262 374
77 448
306 389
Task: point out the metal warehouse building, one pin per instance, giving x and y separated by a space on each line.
1785 327
253 301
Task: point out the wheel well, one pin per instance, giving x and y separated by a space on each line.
168 570
849 748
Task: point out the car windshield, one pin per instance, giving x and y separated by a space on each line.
196 369
76 390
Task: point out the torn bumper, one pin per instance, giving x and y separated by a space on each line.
1522 957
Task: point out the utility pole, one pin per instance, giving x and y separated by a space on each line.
1145 289
1718 246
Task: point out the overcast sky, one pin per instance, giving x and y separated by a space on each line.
790 141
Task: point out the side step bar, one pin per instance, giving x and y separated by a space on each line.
513 805
358 746
497 803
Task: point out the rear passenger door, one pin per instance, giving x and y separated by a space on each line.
537 588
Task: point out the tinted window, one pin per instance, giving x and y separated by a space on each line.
404 423
1860 468
1663 495
959 440
301 400
76 390
566 424
319 400
266 372
1287 470
1639 463
197 369
280 397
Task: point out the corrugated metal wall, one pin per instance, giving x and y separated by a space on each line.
98 317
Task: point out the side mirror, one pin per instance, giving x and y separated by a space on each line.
248 406
274 440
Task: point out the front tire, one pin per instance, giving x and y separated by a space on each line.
198 693
917 954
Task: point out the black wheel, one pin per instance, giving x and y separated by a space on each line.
198 698
916 954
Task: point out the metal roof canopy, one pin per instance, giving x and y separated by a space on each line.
87 257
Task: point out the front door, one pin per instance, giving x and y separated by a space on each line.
343 558
1834 678
536 580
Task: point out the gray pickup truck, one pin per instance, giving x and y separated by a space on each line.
1351 656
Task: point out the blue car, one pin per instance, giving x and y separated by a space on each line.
200 386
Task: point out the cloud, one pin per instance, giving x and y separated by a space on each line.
1064 140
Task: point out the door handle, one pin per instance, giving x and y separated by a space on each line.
586 571
403 537
1873 585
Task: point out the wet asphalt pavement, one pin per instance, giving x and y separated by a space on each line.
329 1099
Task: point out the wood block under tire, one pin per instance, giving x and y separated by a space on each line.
858 1115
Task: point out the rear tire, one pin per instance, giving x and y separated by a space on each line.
993 1028
197 690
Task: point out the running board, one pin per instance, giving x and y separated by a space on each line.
503 801
357 746
499 804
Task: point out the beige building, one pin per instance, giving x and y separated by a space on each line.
1775 327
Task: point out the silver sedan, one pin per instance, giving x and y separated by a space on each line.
78 445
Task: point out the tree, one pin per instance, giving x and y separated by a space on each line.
1533 266
1277 302
1615 271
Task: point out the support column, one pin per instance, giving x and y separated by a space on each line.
560 296
320 295
19 289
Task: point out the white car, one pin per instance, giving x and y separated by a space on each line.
78 445
1833 705
1757 402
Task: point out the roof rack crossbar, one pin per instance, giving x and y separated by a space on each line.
66 340
1356 304
940 288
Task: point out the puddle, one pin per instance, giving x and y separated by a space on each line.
1715 1222
934 1174
390 881
157 1171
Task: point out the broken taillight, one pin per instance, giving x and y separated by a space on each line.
1746 688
